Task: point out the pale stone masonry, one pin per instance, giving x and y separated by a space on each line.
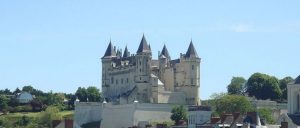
130 77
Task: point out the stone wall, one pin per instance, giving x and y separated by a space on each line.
86 112
118 116
171 97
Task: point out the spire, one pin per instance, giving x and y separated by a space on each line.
126 53
191 51
297 80
110 52
144 47
165 52
119 53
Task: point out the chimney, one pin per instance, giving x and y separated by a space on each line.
236 115
214 120
284 125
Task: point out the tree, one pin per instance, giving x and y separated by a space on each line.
283 86
28 88
46 117
23 121
33 91
55 98
266 113
263 86
178 113
6 92
3 103
93 94
81 94
236 86
232 103
17 91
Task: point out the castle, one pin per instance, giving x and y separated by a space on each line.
137 77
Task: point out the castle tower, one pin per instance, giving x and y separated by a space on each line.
107 64
143 70
192 77
164 59
294 96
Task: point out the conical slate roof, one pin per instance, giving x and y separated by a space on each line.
144 47
165 52
191 51
110 52
297 80
126 53
119 53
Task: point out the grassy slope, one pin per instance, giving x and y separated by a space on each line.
67 114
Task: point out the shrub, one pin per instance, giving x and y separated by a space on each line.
179 113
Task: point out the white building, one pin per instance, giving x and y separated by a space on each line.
198 115
292 118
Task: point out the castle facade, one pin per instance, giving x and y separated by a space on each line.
137 77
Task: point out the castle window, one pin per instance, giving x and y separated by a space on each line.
140 70
192 81
193 67
140 63
127 80
112 80
140 78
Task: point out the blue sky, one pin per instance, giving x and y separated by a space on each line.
57 45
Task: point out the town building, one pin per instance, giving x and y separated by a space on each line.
292 118
128 77
198 115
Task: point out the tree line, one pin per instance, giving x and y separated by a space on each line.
63 101
261 86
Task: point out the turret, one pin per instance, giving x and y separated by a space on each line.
192 78
126 53
143 61
164 59
107 64
143 71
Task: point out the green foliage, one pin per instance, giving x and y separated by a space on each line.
6 92
283 86
179 113
46 117
230 104
168 123
266 113
93 94
263 86
55 98
81 94
3 103
24 121
236 86
5 122
17 91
